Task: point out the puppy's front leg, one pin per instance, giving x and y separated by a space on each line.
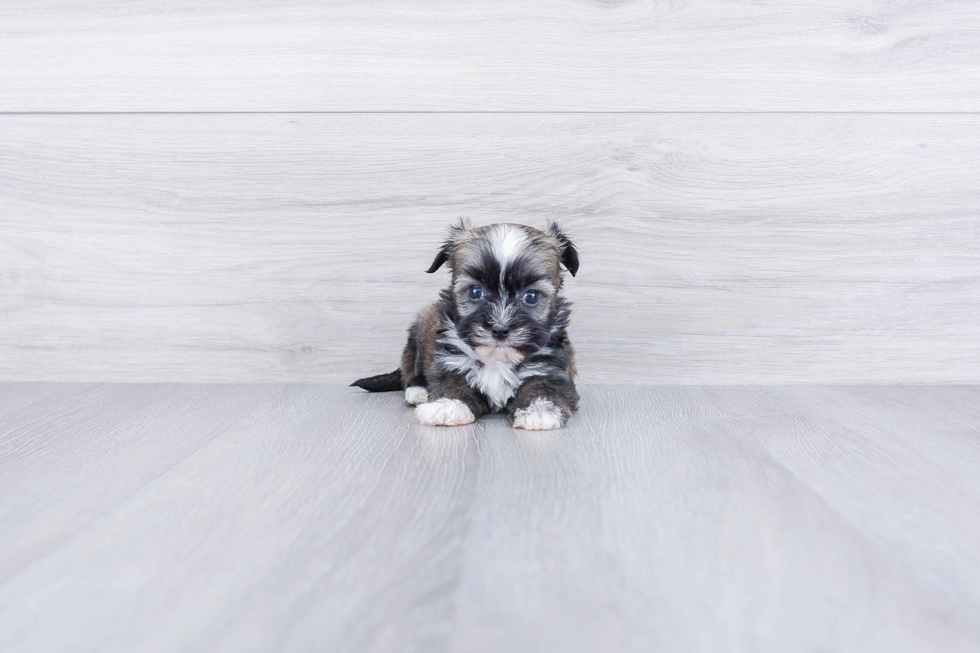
451 402
543 403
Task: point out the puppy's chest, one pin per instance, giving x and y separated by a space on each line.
497 380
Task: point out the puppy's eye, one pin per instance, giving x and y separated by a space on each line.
476 293
531 297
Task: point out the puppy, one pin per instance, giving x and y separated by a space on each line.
495 341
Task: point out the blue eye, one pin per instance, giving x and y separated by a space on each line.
531 297
476 293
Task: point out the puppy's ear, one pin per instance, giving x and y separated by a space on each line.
441 258
456 232
569 255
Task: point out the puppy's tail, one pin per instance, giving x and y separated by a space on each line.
380 383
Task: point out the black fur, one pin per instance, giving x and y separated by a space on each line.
569 255
446 251
441 258
380 383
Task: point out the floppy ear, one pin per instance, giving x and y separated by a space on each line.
441 258
449 246
569 255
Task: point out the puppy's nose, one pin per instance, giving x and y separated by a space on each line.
499 332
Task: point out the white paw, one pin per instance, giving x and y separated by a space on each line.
415 395
444 412
540 415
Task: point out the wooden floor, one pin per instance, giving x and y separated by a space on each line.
319 518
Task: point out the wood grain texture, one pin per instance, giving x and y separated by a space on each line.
676 518
661 520
101 444
14 396
311 525
715 248
513 55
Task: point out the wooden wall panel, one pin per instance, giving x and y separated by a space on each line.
715 248
505 55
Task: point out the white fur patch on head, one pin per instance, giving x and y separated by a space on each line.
416 395
506 242
540 415
444 412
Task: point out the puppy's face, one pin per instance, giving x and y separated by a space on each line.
505 284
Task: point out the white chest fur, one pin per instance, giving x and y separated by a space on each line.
492 372
495 379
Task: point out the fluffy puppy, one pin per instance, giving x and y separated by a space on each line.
496 340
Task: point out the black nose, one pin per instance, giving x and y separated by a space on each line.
499 332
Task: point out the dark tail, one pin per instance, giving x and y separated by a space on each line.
381 383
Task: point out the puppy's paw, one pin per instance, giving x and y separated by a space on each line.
540 415
415 395
444 412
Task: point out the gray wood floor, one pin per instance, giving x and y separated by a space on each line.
312 517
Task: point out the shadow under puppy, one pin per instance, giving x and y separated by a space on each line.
496 338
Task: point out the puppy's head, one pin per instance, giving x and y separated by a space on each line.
506 285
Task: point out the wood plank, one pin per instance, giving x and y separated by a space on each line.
514 55
715 248
657 522
325 522
901 461
70 459
14 396
661 518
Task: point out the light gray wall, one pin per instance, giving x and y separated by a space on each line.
759 193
